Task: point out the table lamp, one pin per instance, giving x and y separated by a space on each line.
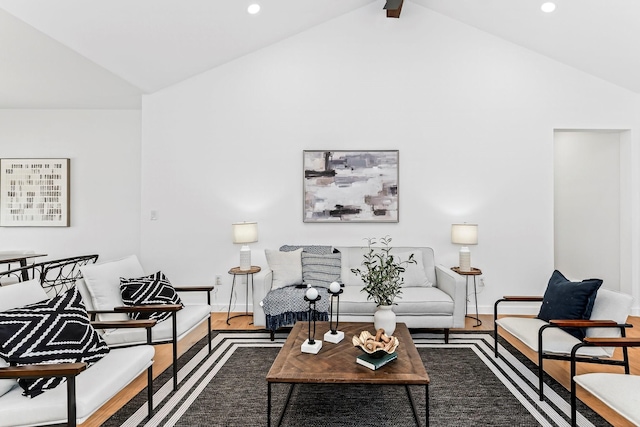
333 335
310 345
464 234
245 232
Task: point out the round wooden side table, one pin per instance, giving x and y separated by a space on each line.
474 272
236 271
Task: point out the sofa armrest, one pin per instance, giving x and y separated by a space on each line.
453 284
43 371
261 286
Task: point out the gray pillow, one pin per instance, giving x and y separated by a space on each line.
320 270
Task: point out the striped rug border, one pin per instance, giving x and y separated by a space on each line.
521 382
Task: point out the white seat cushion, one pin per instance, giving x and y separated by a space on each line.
414 301
620 392
94 387
554 340
187 319
103 283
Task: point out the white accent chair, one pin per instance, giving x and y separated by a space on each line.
618 391
100 289
86 389
608 319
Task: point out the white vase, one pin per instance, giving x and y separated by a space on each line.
385 318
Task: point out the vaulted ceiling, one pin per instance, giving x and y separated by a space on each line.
106 53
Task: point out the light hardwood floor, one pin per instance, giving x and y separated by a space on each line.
557 369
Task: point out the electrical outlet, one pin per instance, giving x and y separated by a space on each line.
482 282
218 280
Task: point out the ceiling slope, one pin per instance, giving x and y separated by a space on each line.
156 43
106 53
39 72
600 37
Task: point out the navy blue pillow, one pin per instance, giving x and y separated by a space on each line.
566 300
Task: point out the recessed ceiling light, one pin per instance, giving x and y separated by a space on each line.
253 8
548 7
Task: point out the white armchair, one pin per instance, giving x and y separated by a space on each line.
100 287
86 389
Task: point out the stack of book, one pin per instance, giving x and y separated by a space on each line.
376 362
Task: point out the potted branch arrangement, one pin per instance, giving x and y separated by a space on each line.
381 273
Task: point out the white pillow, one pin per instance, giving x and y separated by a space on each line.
286 267
414 274
103 283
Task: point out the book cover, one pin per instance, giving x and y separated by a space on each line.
375 362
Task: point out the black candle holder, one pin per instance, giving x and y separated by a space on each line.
334 335
310 345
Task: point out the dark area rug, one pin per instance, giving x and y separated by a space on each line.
467 389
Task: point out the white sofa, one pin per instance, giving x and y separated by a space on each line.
439 306
94 386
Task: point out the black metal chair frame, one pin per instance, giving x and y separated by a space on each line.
174 310
623 342
55 276
567 357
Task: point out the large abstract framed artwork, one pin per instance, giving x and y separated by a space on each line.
34 192
350 186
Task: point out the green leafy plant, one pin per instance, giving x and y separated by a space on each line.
382 272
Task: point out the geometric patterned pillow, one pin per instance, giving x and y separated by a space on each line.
149 290
48 332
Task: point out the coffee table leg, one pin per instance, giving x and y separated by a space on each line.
268 404
413 405
426 403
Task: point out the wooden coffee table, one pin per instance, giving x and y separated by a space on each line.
336 364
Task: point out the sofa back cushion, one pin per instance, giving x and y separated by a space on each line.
352 257
20 294
103 283
609 305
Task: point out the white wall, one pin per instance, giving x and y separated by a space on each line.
104 148
472 115
587 206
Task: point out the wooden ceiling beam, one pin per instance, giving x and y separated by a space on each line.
393 7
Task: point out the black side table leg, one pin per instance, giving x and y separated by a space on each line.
233 285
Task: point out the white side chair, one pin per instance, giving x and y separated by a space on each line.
621 392
86 389
100 288
608 319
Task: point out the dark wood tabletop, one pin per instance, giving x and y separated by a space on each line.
336 363
17 257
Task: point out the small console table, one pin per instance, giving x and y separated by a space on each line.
474 272
236 271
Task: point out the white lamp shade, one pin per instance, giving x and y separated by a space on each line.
245 232
464 234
